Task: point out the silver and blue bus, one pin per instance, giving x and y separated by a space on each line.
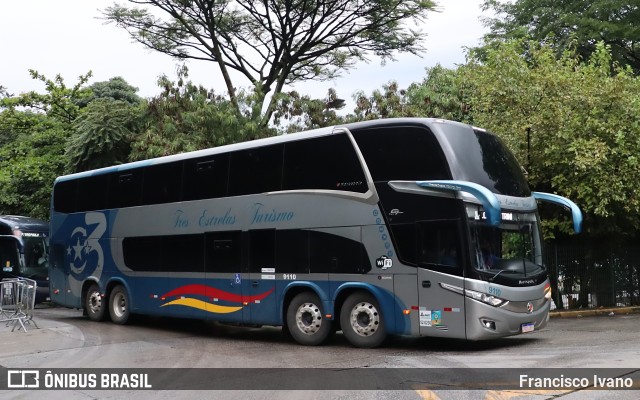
417 227
24 251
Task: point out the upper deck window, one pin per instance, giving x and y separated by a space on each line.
327 162
481 157
402 153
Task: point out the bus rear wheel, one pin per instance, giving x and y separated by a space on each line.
94 304
305 320
119 305
361 321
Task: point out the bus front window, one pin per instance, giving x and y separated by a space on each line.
513 247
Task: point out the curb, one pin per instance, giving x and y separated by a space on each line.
611 311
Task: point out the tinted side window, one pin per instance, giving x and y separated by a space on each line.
328 162
223 251
92 193
206 177
256 170
434 245
125 189
173 253
183 253
64 196
262 248
439 245
336 254
292 251
405 238
402 153
162 183
143 253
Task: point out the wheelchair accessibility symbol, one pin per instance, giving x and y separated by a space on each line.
237 279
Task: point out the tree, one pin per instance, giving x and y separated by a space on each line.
35 128
613 22
186 117
30 162
441 94
102 134
59 102
303 112
572 124
274 43
115 88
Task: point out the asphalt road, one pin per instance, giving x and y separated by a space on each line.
66 339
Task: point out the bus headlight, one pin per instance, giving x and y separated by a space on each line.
485 298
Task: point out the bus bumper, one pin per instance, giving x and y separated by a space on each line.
487 322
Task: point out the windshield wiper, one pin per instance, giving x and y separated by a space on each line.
496 275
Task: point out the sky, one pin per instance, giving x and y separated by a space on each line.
67 37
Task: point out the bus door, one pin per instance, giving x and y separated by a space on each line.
58 273
224 276
260 289
440 271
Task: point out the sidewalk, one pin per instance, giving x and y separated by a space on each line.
588 312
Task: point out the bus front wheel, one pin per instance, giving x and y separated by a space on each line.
361 321
119 305
305 320
94 304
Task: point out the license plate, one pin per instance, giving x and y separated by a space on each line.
527 327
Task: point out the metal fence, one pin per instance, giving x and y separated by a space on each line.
593 275
17 301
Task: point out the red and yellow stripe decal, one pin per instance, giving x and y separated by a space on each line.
212 293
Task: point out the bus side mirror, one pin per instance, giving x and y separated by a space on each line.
563 201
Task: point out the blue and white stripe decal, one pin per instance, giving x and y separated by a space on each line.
563 201
489 200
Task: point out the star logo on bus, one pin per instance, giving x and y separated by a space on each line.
78 250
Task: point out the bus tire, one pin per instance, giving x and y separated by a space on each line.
119 305
305 320
94 304
361 321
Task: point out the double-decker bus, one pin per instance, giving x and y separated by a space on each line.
418 227
24 250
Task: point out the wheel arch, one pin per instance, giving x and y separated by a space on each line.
85 289
385 300
295 288
112 283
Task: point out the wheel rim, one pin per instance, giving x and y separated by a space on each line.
95 302
119 305
308 318
365 319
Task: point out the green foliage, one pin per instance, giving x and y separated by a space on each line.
572 124
115 88
186 117
390 102
30 162
563 23
59 101
302 112
441 94
103 134
35 128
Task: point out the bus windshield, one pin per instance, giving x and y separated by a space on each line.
36 248
512 248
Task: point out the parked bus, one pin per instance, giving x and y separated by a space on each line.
419 227
24 248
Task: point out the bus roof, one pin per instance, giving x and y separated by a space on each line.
23 223
429 122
